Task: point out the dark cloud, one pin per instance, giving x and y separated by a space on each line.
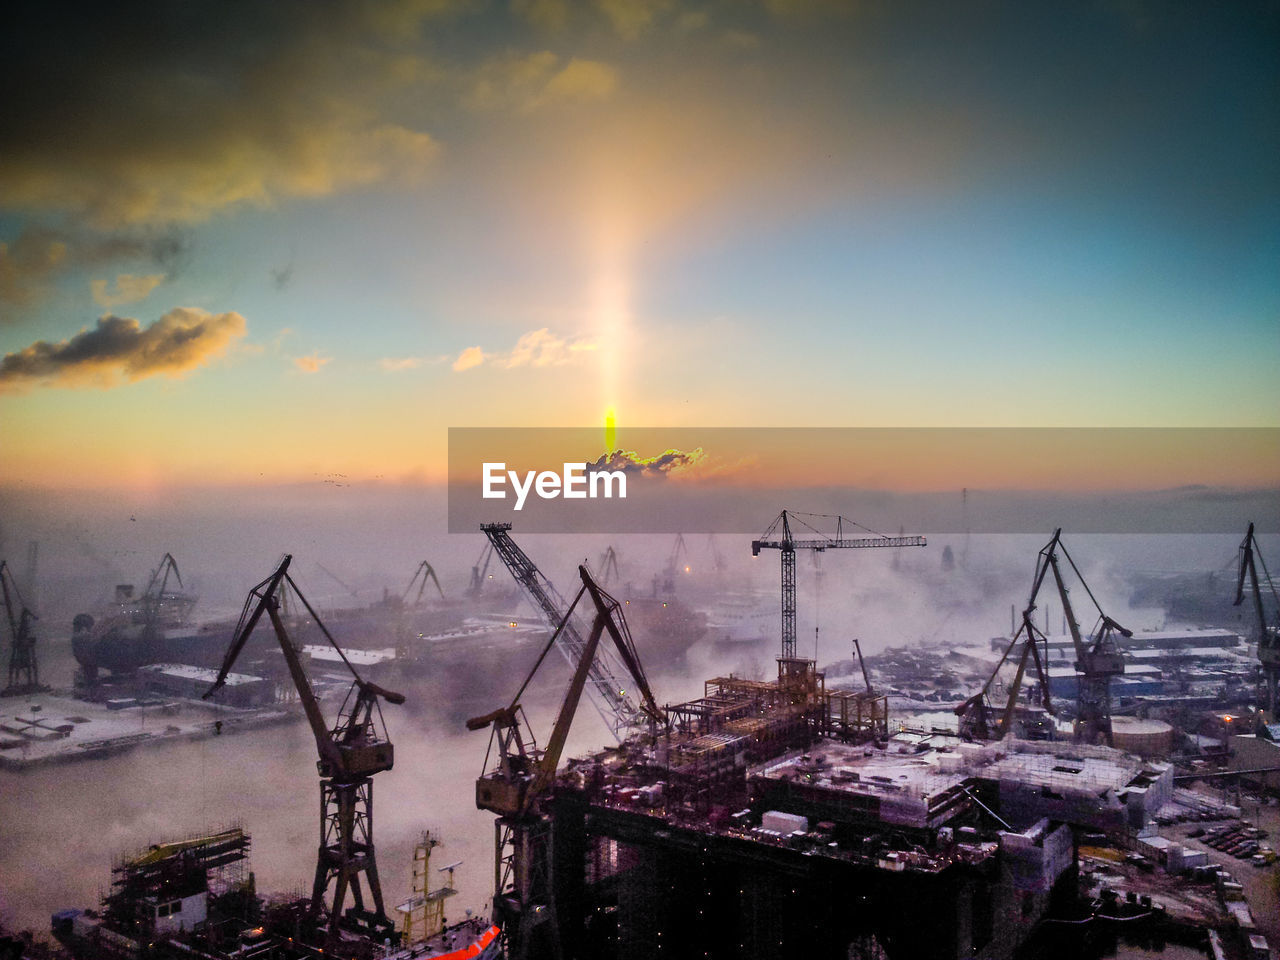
153 113
120 348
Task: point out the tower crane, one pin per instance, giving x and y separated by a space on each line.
24 671
421 576
1268 637
517 786
608 691
356 748
1096 661
778 537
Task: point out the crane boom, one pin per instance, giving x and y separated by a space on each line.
349 755
608 693
1268 637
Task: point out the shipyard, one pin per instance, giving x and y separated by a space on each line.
637 479
771 813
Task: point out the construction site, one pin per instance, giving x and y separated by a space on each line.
764 818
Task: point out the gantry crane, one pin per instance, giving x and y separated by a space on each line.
421 576
349 755
1096 661
608 691
778 537
24 670
1268 636
519 782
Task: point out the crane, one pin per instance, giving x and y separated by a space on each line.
975 713
24 670
673 570
356 748
607 690
424 572
608 565
480 571
518 784
1097 661
1268 636
778 537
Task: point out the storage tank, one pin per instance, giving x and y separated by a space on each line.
1146 738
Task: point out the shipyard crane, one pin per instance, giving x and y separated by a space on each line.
1268 636
518 784
608 564
356 748
1098 660
605 685
480 571
421 576
975 713
672 570
157 596
778 537
24 670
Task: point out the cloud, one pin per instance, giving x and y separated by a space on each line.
28 264
547 14
129 288
396 364
204 111
669 463
537 348
120 348
31 264
468 358
534 81
312 363
631 18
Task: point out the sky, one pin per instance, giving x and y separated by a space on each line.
284 243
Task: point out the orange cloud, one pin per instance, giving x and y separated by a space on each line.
313 363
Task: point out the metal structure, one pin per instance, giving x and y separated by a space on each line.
517 785
608 565
480 571
778 537
975 713
356 748
421 576
607 690
1096 661
160 605
1268 636
24 670
422 915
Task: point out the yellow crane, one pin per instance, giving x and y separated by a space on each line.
518 783
356 748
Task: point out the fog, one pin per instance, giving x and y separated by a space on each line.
61 827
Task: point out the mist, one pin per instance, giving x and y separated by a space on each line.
65 825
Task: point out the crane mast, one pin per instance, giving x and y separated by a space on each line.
778 537
1097 660
24 670
518 784
1268 637
356 748
604 684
